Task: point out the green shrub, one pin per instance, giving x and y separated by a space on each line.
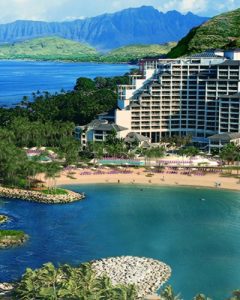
54 192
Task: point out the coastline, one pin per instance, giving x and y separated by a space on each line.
66 61
139 177
36 196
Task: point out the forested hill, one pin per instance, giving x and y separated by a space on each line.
143 25
222 31
49 48
134 52
56 48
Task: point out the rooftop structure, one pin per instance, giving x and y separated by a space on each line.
217 141
97 131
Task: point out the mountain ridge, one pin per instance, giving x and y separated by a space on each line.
143 25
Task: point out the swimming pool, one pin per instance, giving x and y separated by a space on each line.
121 162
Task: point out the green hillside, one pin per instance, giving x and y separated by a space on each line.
133 52
49 48
56 48
222 31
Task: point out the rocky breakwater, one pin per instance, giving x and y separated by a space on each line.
12 238
38 196
147 274
5 290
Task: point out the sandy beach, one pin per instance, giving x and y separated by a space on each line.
140 176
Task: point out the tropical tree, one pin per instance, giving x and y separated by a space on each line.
201 297
51 171
115 146
12 163
235 295
230 153
70 149
153 153
66 282
178 141
84 84
189 151
168 294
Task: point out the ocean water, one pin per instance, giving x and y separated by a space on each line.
198 239
20 78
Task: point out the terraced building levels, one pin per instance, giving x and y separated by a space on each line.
197 95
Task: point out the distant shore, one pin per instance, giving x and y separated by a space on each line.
140 177
66 61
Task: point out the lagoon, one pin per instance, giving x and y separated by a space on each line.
198 239
20 78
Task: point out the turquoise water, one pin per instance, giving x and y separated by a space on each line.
198 239
121 162
20 78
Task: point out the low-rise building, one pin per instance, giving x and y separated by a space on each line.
97 131
217 141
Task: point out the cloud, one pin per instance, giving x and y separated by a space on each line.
184 5
203 7
57 10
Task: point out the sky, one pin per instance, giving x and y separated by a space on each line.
62 10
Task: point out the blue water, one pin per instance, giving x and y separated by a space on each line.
20 78
198 239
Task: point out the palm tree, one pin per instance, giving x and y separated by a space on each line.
235 295
230 153
201 297
51 171
168 294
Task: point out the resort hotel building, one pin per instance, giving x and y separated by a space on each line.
197 95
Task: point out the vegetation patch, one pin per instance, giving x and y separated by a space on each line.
67 282
80 283
3 219
55 192
135 52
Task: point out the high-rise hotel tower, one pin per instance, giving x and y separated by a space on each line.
197 95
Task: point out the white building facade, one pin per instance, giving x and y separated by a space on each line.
197 95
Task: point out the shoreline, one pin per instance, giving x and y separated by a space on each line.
139 177
152 185
66 61
36 196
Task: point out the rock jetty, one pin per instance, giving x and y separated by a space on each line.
8 240
147 274
5 290
37 196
